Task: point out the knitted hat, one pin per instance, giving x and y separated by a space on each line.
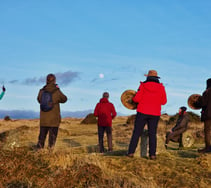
208 83
183 108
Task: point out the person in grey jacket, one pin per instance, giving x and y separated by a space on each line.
181 126
50 120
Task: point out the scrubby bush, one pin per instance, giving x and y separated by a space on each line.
194 118
89 119
7 118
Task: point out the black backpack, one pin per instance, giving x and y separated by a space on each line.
46 103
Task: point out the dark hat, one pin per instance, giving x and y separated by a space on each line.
208 83
183 108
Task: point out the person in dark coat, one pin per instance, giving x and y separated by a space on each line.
205 102
105 111
150 96
50 120
181 126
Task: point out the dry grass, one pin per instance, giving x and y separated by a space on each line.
75 161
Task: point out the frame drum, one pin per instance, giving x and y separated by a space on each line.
193 101
126 99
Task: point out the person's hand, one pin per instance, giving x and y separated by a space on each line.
197 104
57 86
4 89
130 101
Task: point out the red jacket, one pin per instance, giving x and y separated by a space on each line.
150 96
105 112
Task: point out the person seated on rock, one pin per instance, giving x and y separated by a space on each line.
181 126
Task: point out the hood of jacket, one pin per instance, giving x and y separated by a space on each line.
152 87
50 87
150 96
152 79
103 100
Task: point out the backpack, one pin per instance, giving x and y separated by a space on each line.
46 103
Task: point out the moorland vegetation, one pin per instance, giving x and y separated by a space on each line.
76 162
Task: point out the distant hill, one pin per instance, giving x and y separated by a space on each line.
30 114
19 114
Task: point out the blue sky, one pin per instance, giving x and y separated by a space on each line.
95 46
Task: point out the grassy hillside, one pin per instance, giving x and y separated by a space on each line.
75 161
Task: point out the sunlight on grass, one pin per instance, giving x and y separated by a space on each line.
76 162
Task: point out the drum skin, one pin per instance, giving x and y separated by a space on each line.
193 101
187 139
126 99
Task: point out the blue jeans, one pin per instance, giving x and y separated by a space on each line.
152 123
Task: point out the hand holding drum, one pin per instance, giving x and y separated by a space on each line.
127 99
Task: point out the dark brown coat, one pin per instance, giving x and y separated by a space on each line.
52 118
205 101
180 127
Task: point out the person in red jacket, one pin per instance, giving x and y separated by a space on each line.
105 112
150 96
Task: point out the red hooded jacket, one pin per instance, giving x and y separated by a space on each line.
105 112
150 96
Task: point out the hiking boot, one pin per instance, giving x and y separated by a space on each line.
110 150
204 150
153 157
130 155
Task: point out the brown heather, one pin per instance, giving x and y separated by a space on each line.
75 161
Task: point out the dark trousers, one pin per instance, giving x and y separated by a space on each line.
152 123
175 136
53 132
101 130
207 133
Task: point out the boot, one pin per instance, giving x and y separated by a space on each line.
205 150
153 157
130 155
